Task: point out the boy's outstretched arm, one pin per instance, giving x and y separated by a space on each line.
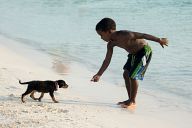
161 41
105 64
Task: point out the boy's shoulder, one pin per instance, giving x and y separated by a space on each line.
122 33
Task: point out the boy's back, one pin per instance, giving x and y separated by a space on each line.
128 40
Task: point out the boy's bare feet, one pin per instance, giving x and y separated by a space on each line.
128 104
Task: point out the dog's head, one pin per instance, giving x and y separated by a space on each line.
62 84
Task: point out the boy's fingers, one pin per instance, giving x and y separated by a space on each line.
92 79
162 46
166 44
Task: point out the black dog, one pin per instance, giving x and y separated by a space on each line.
43 87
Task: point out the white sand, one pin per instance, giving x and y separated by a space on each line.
83 105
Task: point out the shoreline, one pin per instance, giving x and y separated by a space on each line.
84 104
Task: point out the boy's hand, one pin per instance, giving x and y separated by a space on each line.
95 78
163 41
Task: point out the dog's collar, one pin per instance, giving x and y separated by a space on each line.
56 86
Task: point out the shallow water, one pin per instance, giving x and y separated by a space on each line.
66 30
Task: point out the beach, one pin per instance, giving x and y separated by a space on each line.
83 105
52 40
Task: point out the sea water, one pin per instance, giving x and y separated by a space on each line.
65 29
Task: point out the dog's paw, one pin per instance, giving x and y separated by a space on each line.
23 101
56 101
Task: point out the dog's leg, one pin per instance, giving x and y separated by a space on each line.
24 94
52 96
32 95
42 94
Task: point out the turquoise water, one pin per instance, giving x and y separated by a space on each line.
65 29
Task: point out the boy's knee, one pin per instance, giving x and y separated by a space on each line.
133 80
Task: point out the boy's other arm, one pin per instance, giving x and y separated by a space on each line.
106 62
107 59
161 41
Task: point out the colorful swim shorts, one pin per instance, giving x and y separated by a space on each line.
138 63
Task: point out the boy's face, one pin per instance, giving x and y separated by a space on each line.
105 35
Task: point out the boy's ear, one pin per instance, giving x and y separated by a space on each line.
110 31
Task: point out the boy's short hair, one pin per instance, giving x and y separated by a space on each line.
106 24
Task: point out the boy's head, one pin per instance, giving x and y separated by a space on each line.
106 24
105 27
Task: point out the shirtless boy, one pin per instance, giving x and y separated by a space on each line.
139 56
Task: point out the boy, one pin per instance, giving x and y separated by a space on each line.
138 59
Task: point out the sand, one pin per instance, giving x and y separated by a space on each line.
83 105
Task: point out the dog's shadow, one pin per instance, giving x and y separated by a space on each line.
17 100
12 97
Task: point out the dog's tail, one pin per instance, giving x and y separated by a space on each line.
23 82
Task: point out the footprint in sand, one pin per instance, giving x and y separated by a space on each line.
11 95
63 111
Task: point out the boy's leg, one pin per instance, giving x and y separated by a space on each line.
128 86
139 63
127 83
133 94
126 77
134 88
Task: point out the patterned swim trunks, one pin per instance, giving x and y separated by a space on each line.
137 63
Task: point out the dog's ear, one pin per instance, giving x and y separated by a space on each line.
62 84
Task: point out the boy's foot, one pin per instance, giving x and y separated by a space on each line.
123 102
128 104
